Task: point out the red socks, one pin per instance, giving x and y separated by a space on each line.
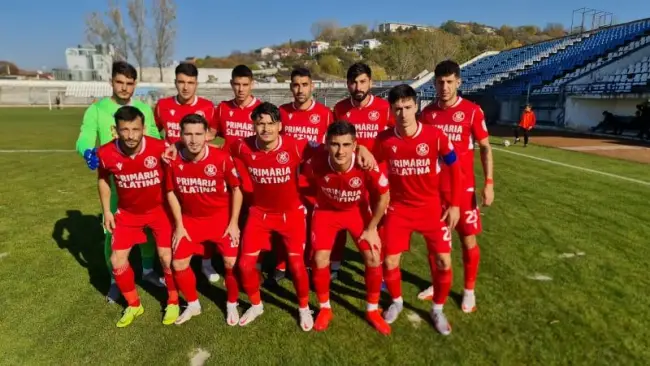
471 258
186 282
321 278
441 282
172 293
393 279
373 284
250 278
300 279
125 280
232 288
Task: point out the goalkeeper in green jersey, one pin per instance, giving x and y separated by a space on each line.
98 123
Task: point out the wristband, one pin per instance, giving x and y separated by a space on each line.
489 181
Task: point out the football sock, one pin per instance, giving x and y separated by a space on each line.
232 288
250 278
172 292
321 277
441 284
300 279
471 258
373 284
393 280
186 282
125 280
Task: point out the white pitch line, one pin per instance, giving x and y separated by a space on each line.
34 151
642 182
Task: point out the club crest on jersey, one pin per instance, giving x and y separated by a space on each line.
373 115
458 116
172 112
210 170
290 115
200 113
119 166
355 182
422 149
150 162
283 157
314 118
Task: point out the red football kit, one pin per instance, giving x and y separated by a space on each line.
139 185
341 199
169 112
369 120
310 124
203 190
464 123
234 123
276 207
413 172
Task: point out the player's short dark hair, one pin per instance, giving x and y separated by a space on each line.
241 71
402 91
358 69
128 113
266 108
447 68
124 68
192 119
300 71
188 69
341 128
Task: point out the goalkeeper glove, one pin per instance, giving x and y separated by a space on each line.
90 155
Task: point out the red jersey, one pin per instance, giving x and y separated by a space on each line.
368 120
274 173
202 186
341 191
169 112
414 165
310 124
138 179
464 123
233 122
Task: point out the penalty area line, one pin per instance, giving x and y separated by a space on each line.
18 151
642 182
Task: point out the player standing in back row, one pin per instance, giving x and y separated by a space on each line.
170 111
464 123
370 115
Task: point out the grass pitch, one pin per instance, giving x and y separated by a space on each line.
591 309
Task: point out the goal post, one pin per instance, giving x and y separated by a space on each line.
51 97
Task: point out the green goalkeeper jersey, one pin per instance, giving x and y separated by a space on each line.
99 123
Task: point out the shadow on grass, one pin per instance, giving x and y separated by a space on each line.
83 237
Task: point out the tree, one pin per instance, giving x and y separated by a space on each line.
554 30
400 58
138 44
436 46
163 32
329 64
451 27
116 26
8 68
325 30
378 72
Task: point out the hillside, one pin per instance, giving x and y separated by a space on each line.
401 54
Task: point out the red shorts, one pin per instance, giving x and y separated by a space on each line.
470 215
206 231
401 222
129 229
325 224
290 225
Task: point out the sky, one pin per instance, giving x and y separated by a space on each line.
35 33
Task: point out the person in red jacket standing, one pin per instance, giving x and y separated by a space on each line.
526 123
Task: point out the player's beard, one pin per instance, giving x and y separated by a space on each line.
360 96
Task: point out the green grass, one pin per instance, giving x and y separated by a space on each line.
594 311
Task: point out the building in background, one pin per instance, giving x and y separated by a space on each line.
394 27
87 63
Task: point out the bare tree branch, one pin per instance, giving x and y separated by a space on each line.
139 39
116 26
96 29
164 32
